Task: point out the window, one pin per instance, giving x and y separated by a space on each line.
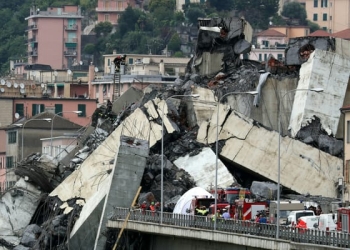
315 3
265 57
324 17
37 109
279 57
260 57
330 18
108 62
324 28
20 109
82 108
58 109
315 17
12 137
106 18
9 162
131 61
324 3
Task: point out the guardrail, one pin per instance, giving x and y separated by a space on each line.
336 239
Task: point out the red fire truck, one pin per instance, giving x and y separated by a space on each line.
343 219
231 194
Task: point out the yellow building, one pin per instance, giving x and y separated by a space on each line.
332 15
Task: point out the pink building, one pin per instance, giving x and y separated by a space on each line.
269 42
54 36
110 10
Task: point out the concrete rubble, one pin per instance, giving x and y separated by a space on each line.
58 202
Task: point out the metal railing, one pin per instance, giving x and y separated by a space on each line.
308 236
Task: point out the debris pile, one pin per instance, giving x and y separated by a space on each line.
48 221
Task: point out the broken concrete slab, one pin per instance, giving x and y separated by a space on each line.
16 210
202 168
258 153
297 45
126 178
326 70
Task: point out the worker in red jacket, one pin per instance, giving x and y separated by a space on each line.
143 207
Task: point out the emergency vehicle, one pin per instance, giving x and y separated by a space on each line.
231 194
200 201
343 219
247 209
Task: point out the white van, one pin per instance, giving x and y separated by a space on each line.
293 216
327 222
308 222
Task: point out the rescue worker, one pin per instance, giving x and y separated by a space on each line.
201 211
109 106
143 207
217 215
226 215
152 207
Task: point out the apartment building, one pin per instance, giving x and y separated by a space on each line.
331 15
24 137
54 36
110 10
268 42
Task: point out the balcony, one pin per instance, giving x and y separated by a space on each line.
71 27
71 42
70 53
32 40
32 27
33 53
109 9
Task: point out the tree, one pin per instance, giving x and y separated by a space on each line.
89 49
166 4
294 10
163 16
103 28
313 26
127 20
257 12
222 5
193 14
174 43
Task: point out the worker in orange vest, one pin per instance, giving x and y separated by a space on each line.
152 207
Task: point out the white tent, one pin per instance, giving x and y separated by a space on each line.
184 203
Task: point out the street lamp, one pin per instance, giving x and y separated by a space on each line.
44 119
279 154
162 154
217 146
77 112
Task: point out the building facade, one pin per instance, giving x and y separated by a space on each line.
23 138
110 10
346 139
54 36
331 15
292 31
